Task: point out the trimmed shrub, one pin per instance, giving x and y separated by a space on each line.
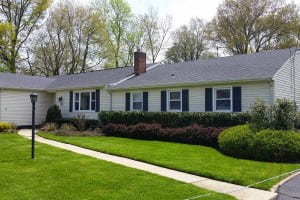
5 127
278 145
266 145
194 134
53 114
237 141
174 120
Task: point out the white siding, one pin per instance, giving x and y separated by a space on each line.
16 106
250 91
284 82
118 101
297 77
64 106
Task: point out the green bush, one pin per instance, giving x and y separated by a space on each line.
281 116
284 115
237 141
53 114
174 120
259 115
5 127
265 145
277 145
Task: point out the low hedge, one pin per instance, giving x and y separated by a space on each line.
5 126
194 134
265 145
174 120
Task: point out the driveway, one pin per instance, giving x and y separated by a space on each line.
290 190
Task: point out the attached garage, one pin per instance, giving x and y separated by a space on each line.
15 104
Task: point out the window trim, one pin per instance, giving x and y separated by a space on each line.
131 101
215 99
168 100
84 91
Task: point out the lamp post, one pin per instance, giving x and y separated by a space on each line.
33 98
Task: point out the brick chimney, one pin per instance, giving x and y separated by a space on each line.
139 62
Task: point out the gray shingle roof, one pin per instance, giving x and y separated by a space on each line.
262 65
90 79
18 81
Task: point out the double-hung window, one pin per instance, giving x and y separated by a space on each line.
223 99
174 101
137 101
85 101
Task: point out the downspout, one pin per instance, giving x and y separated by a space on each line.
271 84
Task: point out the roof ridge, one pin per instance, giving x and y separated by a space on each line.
231 56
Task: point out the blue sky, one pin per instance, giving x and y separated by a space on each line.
181 10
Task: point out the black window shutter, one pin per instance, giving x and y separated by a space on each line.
97 100
208 99
237 99
163 101
185 100
127 101
145 101
71 102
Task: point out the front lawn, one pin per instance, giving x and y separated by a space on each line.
59 174
200 160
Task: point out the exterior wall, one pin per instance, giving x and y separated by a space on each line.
64 106
297 79
287 82
284 82
16 106
250 91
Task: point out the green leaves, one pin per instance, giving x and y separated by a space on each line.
246 26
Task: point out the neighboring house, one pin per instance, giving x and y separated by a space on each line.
227 84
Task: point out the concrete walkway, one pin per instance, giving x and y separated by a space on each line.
240 192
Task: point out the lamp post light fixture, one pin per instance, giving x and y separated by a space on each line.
33 98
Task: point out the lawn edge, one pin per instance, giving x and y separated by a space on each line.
160 165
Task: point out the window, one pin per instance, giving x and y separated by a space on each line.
223 99
137 101
174 100
85 101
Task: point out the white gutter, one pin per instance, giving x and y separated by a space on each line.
193 84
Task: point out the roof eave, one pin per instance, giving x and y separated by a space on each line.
23 89
73 88
191 84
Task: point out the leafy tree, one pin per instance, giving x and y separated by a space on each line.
189 43
117 18
23 17
246 26
68 43
156 32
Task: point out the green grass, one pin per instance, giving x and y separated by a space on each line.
59 174
195 159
